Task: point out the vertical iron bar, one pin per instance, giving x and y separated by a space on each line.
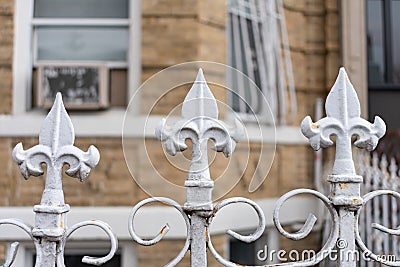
200 123
198 250
393 202
47 254
368 210
346 196
343 120
348 254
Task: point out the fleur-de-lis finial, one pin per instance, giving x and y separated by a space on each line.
343 121
55 149
200 123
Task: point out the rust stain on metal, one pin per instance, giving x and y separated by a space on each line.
343 186
163 230
314 125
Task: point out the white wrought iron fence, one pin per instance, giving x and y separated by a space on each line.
345 203
379 173
55 149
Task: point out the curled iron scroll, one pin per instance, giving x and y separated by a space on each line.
304 231
247 238
164 229
307 227
93 260
367 252
12 252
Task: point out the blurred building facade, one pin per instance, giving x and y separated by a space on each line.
156 34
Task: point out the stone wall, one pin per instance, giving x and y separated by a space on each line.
6 54
111 184
314 44
175 32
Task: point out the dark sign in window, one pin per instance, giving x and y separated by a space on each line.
81 86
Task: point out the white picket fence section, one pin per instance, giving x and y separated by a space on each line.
380 173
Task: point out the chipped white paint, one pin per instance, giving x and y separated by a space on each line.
344 203
200 123
343 120
55 149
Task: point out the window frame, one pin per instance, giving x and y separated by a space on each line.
65 22
353 47
388 84
126 249
23 62
269 241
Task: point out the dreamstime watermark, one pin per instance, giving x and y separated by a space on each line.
337 254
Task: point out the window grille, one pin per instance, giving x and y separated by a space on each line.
258 47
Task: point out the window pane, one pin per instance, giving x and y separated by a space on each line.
76 260
242 253
82 43
395 21
81 9
375 40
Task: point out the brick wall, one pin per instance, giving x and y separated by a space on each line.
176 32
313 38
6 54
111 184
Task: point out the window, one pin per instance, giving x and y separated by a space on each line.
242 253
35 25
257 252
256 33
81 30
76 249
383 40
92 30
73 257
